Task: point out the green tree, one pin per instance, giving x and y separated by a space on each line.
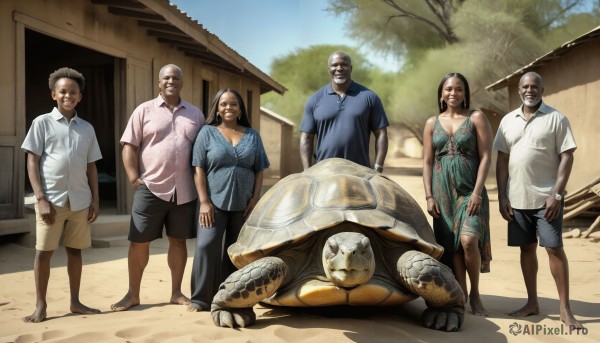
484 40
402 28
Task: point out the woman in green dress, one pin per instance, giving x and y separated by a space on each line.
457 148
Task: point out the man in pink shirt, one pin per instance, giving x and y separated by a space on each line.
157 146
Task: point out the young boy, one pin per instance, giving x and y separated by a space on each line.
61 151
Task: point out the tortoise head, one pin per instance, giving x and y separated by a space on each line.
348 259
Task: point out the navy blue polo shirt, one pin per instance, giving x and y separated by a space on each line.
343 125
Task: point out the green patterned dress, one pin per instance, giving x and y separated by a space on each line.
455 168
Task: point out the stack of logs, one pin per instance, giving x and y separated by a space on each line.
583 204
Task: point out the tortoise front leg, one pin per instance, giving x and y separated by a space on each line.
232 305
434 282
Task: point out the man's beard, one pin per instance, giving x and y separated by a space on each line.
531 103
340 81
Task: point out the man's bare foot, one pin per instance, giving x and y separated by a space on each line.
39 315
567 317
193 307
477 306
126 303
80 308
179 299
527 310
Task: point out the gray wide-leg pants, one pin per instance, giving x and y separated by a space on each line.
211 263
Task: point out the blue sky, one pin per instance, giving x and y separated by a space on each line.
261 30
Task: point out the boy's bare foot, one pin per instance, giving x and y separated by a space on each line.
193 307
567 317
527 310
82 309
39 315
179 299
477 306
126 303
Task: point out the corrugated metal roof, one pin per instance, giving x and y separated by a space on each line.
547 58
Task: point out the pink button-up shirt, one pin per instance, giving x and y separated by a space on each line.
165 141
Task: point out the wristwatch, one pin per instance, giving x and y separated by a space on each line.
558 197
378 168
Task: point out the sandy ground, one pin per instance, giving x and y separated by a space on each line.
105 281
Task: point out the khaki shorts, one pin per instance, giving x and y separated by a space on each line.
77 233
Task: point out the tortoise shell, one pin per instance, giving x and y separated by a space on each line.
331 192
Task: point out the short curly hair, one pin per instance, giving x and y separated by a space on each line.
66 73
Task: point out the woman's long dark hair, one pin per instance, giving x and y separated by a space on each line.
442 104
213 119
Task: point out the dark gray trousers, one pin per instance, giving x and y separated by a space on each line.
211 262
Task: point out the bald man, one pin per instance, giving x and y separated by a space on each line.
535 155
341 117
157 146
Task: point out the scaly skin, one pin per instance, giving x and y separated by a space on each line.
434 282
348 254
232 305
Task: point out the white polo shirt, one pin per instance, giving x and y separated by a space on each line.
534 147
65 148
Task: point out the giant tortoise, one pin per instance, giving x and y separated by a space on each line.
337 234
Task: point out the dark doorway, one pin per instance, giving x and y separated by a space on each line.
43 55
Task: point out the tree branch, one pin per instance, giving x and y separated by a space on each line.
559 14
445 32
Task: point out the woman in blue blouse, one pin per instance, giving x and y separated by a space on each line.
229 159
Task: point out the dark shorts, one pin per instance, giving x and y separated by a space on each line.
150 213
528 225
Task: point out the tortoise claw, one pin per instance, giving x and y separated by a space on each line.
443 319
233 317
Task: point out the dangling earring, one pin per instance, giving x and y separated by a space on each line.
441 103
465 102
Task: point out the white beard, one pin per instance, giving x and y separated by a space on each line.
530 103
339 81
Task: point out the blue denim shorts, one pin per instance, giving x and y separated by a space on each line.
529 226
